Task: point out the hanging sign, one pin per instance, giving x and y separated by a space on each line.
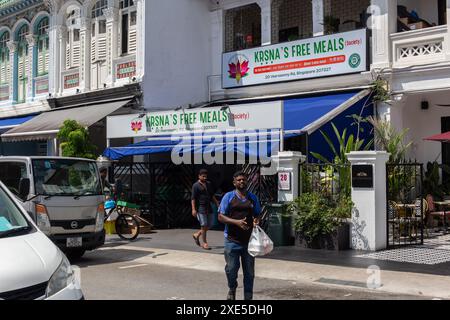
303 59
255 116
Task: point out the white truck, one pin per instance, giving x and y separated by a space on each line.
62 195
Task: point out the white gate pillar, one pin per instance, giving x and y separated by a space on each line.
368 230
288 162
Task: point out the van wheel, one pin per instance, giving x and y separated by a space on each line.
75 254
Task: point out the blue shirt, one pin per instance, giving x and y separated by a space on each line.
224 207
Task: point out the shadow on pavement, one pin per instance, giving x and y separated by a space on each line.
348 258
100 257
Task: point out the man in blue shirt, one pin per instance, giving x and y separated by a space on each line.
239 211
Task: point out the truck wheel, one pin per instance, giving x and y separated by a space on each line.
75 254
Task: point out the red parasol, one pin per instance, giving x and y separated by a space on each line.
442 137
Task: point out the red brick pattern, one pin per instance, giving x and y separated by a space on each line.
126 70
71 81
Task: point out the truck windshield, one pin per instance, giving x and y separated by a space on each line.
66 177
12 222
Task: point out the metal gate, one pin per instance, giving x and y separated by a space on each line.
263 186
164 189
405 204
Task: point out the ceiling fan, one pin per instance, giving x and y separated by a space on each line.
443 105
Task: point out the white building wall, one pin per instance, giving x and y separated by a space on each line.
178 55
422 123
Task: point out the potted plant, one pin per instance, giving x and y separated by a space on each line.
331 24
320 222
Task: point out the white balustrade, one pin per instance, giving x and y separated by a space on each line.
418 47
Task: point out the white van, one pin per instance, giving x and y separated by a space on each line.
62 195
31 266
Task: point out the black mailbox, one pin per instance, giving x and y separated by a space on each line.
362 176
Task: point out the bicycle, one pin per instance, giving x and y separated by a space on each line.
127 224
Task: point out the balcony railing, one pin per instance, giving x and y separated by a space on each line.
418 47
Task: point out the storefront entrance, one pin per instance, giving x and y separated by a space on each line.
164 189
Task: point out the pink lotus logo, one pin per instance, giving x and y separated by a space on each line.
136 125
238 69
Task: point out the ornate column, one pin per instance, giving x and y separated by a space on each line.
266 21
85 54
383 22
112 22
61 35
140 35
32 65
53 68
13 83
447 53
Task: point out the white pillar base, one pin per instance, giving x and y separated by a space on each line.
288 161
369 219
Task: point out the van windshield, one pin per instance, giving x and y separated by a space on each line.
66 177
12 222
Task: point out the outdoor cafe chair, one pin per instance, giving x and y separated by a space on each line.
435 213
398 218
421 215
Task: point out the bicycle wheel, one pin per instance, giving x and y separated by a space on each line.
127 226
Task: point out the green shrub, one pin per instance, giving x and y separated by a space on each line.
314 215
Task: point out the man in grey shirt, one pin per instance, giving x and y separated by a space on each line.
202 195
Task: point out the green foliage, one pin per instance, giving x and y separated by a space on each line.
315 215
331 24
431 181
346 145
390 140
380 90
75 142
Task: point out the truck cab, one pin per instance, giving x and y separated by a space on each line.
63 196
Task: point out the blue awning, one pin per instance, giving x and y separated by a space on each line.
259 144
303 115
306 115
9 123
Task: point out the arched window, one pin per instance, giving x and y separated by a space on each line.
97 10
23 63
4 59
98 45
128 35
43 46
73 47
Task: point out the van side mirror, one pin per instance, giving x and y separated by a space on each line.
24 188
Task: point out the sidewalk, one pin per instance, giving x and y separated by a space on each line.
346 268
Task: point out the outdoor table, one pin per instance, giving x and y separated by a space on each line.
444 204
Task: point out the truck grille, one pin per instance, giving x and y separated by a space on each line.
67 224
29 293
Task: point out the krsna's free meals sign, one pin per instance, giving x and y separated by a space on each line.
310 58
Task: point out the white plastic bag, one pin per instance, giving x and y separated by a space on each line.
260 243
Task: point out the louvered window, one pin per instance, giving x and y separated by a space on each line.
128 27
4 59
43 46
98 33
23 63
73 49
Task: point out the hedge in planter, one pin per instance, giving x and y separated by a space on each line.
321 223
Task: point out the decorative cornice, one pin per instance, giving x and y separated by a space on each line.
14 6
61 32
111 13
84 23
12 46
31 39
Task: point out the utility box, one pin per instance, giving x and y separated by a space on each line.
279 227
